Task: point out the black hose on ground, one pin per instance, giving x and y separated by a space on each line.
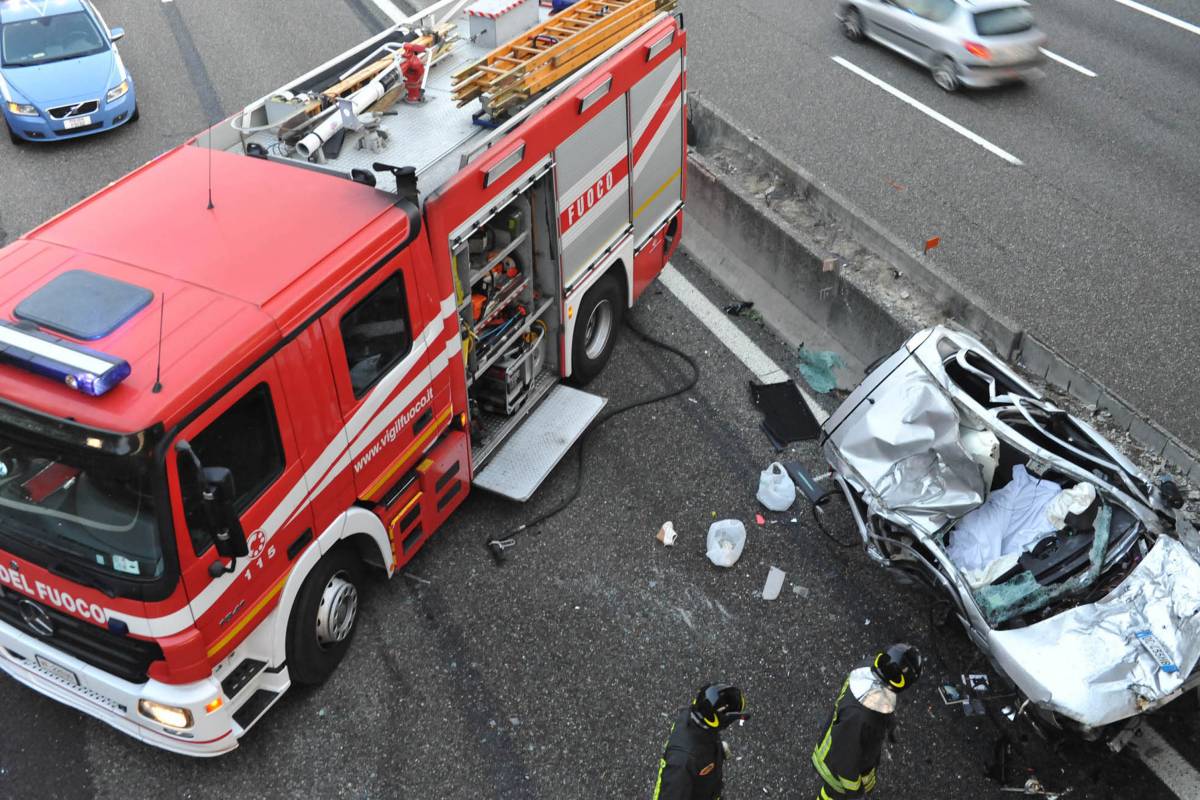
498 544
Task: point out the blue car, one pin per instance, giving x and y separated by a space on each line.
60 73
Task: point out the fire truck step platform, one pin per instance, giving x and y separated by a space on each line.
523 462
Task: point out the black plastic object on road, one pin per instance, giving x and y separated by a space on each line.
806 483
786 415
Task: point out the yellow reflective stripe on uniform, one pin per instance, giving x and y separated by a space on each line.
824 795
662 764
849 785
822 750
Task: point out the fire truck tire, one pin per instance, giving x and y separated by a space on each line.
323 618
596 330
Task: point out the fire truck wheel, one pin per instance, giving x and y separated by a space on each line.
322 622
596 330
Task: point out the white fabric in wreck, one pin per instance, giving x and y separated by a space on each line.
1086 663
1012 519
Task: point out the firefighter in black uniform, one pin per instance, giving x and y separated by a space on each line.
848 752
691 766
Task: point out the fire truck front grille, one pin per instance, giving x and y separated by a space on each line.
122 656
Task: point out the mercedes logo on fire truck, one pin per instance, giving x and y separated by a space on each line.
36 618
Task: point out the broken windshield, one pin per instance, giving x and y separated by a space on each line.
97 508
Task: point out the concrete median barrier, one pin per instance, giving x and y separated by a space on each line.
853 278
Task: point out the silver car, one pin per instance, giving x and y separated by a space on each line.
964 43
1076 574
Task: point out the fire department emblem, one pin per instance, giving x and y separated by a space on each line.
256 543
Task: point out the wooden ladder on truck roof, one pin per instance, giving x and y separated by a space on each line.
511 74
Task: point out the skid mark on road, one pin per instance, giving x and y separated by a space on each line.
210 101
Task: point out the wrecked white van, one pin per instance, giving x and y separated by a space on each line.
1069 568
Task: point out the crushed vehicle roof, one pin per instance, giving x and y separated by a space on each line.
938 430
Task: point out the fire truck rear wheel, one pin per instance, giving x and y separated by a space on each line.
323 618
596 329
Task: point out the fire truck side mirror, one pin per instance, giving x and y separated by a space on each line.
218 497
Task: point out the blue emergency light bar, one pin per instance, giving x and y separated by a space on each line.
82 368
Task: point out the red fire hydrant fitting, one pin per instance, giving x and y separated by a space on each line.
413 70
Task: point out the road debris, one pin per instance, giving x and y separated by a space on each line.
817 366
787 417
774 583
666 534
726 539
775 489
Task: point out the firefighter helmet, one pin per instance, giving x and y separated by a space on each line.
899 666
719 705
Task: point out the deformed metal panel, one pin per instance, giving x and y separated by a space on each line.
1090 664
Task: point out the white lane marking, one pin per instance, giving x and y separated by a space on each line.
924 109
1067 62
389 9
1153 12
728 334
1170 767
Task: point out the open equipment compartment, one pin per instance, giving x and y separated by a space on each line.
507 287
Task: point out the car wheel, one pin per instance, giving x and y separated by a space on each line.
596 329
852 25
137 113
945 75
323 617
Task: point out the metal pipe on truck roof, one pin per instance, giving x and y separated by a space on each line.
360 101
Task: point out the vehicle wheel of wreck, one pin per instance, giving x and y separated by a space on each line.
596 326
852 25
17 140
323 618
945 75
137 114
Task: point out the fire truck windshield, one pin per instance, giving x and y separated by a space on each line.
97 508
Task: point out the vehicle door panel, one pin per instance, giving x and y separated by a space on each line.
385 342
887 21
250 429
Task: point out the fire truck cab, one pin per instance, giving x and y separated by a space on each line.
242 377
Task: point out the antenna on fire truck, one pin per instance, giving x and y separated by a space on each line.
162 310
210 202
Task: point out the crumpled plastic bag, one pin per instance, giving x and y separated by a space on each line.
775 488
726 539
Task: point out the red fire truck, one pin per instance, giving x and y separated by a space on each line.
238 379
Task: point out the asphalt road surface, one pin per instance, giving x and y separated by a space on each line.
553 675
1090 243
